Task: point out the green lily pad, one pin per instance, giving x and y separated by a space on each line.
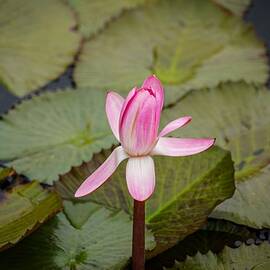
45 136
188 44
23 209
237 7
187 190
243 258
94 15
37 43
85 237
249 203
238 115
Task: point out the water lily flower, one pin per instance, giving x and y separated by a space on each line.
135 122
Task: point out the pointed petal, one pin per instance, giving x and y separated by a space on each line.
138 127
180 122
99 176
128 100
181 147
140 174
114 104
146 127
153 83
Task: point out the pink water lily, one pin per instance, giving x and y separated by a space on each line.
135 122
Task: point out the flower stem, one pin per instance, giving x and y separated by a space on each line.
138 236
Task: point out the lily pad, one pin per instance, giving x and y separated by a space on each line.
43 137
37 43
244 258
94 15
187 190
249 203
85 237
237 7
188 44
23 209
238 115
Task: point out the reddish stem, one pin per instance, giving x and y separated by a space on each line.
138 236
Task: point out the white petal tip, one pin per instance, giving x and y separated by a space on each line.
140 195
213 141
79 194
210 143
141 198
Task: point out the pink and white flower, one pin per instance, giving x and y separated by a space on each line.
135 122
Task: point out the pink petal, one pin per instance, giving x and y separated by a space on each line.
140 174
181 147
114 104
153 83
180 122
146 127
138 127
128 101
99 176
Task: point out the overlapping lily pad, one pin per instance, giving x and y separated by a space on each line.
188 44
187 190
86 236
45 136
238 115
244 258
238 7
37 42
227 227
249 205
23 209
95 14
214 236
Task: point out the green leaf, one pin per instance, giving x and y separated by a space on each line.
94 15
45 136
248 205
23 209
203 47
238 7
85 237
243 258
238 115
37 43
186 192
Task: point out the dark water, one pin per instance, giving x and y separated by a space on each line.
259 15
